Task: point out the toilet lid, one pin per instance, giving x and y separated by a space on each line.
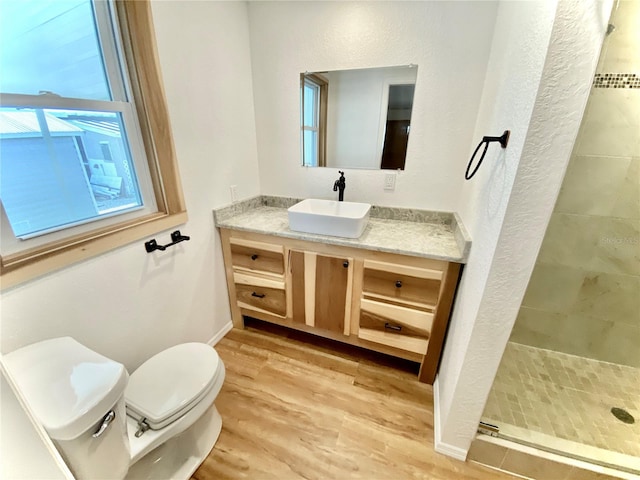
171 382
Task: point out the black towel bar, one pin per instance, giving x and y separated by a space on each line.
176 237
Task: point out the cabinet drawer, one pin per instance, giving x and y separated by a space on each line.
401 284
395 319
409 344
395 326
261 291
258 256
254 297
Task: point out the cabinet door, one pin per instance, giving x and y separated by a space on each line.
332 282
321 290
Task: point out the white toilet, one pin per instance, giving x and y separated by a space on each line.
80 397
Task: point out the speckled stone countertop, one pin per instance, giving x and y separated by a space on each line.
420 233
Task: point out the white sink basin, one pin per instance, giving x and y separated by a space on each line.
329 217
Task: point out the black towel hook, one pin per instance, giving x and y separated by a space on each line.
503 139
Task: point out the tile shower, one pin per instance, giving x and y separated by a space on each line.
574 353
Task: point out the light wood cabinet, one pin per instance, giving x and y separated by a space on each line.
394 304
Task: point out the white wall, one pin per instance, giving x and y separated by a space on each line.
449 41
507 205
128 304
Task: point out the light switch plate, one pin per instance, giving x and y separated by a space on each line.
390 181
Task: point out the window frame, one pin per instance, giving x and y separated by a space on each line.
322 85
135 23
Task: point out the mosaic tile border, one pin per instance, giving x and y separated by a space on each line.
616 80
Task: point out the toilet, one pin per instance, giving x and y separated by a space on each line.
160 422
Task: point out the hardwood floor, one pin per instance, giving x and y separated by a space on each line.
292 409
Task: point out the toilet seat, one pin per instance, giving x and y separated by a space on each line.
171 383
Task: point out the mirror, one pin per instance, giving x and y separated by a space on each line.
357 118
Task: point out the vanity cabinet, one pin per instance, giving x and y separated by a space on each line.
390 303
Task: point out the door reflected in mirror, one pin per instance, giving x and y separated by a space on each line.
357 118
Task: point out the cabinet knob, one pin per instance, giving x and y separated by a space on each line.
345 264
398 284
254 256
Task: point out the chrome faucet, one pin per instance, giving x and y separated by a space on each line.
340 185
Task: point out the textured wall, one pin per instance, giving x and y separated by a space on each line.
128 304
583 295
449 41
507 205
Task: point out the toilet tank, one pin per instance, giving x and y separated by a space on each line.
71 390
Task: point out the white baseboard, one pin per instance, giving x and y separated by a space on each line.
218 336
439 446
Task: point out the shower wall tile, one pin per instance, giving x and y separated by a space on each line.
620 51
570 240
609 296
618 248
618 344
579 334
611 124
599 338
538 327
553 288
592 185
627 203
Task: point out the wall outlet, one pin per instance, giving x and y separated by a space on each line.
234 193
390 181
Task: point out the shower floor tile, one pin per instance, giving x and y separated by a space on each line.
566 397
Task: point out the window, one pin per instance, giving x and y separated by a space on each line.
313 114
86 157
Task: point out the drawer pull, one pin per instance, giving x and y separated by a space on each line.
398 284
395 328
258 295
254 256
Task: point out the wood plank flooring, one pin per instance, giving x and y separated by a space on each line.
295 406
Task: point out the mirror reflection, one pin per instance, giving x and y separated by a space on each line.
357 118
